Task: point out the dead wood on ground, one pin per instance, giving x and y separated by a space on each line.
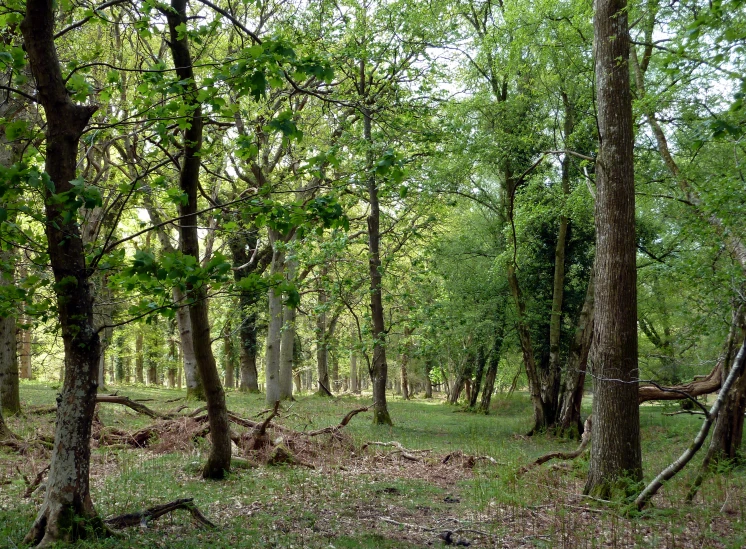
142 518
562 455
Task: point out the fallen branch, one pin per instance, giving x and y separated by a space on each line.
585 439
705 386
405 453
669 472
142 518
32 486
470 460
690 412
335 428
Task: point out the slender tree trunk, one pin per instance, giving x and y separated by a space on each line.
25 355
219 460
287 340
405 362
67 513
195 388
322 352
274 331
173 356
569 423
428 381
228 355
354 388
379 367
616 453
139 358
524 335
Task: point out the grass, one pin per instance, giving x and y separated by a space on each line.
353 495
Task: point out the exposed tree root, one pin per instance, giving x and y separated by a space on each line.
142 518
562 455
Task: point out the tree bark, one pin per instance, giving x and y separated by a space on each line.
67 513
405 361
428 381
354 387
616 455
494 359
10 399
219 460
287 340
478 374
274 330
228 355
139 359
569 422
322 352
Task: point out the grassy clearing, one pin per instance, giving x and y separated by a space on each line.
373 497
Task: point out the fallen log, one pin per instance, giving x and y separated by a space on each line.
142 518
136 406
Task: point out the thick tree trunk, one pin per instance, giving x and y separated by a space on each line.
67 512
219 460
569 422
10 400
274 330
615 456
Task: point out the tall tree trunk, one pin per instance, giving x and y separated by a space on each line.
10 400
728 433
228 355
274 330
405 362
243 249
616 453
219 460
478 374
195 389
494 359
354 387
67 512
25 353
287 340
322 351
569 423
173 355
139 358
428 381
541 421
379 367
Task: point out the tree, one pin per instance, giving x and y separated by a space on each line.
67 512
616 455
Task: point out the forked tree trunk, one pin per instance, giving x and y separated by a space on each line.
67 513
494 359
478 374
219 460
616 453
569 422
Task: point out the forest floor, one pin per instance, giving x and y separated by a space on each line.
377 496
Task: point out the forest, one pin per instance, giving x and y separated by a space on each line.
372 273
